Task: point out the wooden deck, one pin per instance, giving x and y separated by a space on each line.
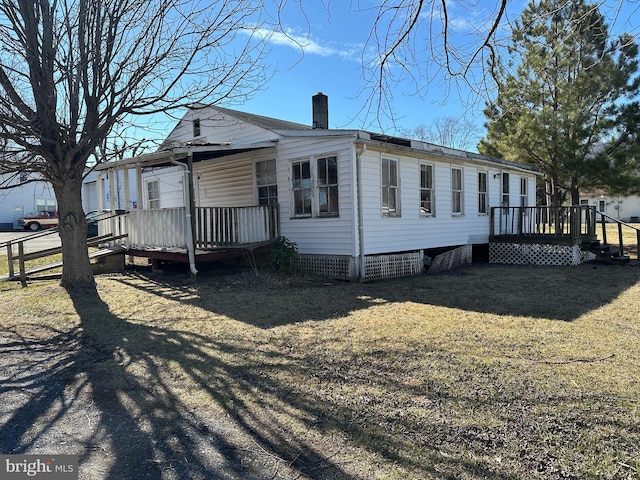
571 225
164 235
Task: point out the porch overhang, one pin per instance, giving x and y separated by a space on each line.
196 152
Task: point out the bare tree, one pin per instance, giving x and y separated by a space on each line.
74 72
449 132
454 43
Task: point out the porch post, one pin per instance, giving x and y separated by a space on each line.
99 191
192 203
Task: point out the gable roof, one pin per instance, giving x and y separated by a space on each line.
268 123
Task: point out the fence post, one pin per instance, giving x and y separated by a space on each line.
23 273
10 258
621 253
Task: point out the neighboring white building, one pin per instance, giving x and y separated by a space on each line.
342 195
98 185
624 208
19 200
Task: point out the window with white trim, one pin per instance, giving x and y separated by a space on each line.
153 194
483 194
266 182
46 205
327 182
427 193
524 192
390 206
456 191
505 190
302 188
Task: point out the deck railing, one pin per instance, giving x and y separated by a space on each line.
236 225
570 223
214 227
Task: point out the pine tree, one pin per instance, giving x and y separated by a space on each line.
565 100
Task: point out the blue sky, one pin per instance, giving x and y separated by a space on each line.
326 45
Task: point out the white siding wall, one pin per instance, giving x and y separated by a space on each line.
315 235
170 186
618 207
21 200
216 127
229 181
410 231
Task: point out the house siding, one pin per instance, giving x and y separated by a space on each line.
318 235
410 230
217 127
229 181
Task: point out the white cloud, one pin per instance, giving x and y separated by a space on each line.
307 45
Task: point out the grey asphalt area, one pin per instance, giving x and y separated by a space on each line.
41 241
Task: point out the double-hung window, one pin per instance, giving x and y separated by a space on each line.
456 191
266 182
505 191
427 199
483 196
302 188
327 168
524 191
390 206
315 187
153 194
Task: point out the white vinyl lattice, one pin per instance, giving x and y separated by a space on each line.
377 267
534 254
330 266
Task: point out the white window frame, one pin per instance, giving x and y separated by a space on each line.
504 192
318 185
46 204
327 187
601 205
266 180
457 192
427 190
483 194
153 202
524 192
304 188
390 189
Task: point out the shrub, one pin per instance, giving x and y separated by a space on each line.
283 254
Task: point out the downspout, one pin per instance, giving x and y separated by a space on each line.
187 209
362 266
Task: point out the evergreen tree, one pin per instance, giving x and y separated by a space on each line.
565 100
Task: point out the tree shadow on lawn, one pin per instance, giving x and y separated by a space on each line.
104 390
553 293
136 422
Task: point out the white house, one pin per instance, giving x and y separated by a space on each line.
98 188
618 207
352 200
18 198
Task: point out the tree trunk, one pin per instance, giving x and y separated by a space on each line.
76 272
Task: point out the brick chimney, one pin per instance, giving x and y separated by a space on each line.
320 103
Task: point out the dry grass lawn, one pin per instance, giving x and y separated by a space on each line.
485 373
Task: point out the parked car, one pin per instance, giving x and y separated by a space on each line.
36 221
94 217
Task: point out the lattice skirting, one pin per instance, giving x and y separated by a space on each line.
534 254
377 267
332 266
380 267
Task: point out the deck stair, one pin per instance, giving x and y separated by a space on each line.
606 253
106 245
